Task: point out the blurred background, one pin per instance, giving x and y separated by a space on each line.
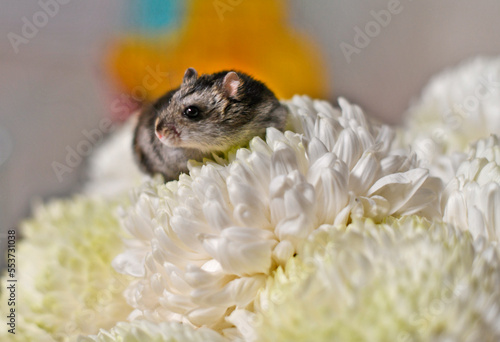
70 70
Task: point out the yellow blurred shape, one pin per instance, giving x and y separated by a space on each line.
247 35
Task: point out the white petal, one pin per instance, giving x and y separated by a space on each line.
326 130
277 190
217 215
176 279
385 137
475 221
283 252
425 202
188 230
258 145
284 161
398 188
456 210
256 177
212 314
492 210
326 109
393 164
240 292
244 320
315 150
299 219
130 262
273 137
470 169
329 178
254 216
364 173
489 173
242 251
198 277
173 249
375 207
352 112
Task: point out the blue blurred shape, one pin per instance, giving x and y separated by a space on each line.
153 16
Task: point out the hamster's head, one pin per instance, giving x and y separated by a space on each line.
212 112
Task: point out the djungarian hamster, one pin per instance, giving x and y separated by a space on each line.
206 114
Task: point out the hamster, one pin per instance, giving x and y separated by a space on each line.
206 114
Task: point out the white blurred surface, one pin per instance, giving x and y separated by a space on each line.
53 88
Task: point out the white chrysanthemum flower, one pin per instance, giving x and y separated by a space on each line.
458 107
472 199
402 280
146 331
65 283
112 170
206 244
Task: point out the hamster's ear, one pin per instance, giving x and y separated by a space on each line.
230 84
190 76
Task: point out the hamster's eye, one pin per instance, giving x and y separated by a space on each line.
191 112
